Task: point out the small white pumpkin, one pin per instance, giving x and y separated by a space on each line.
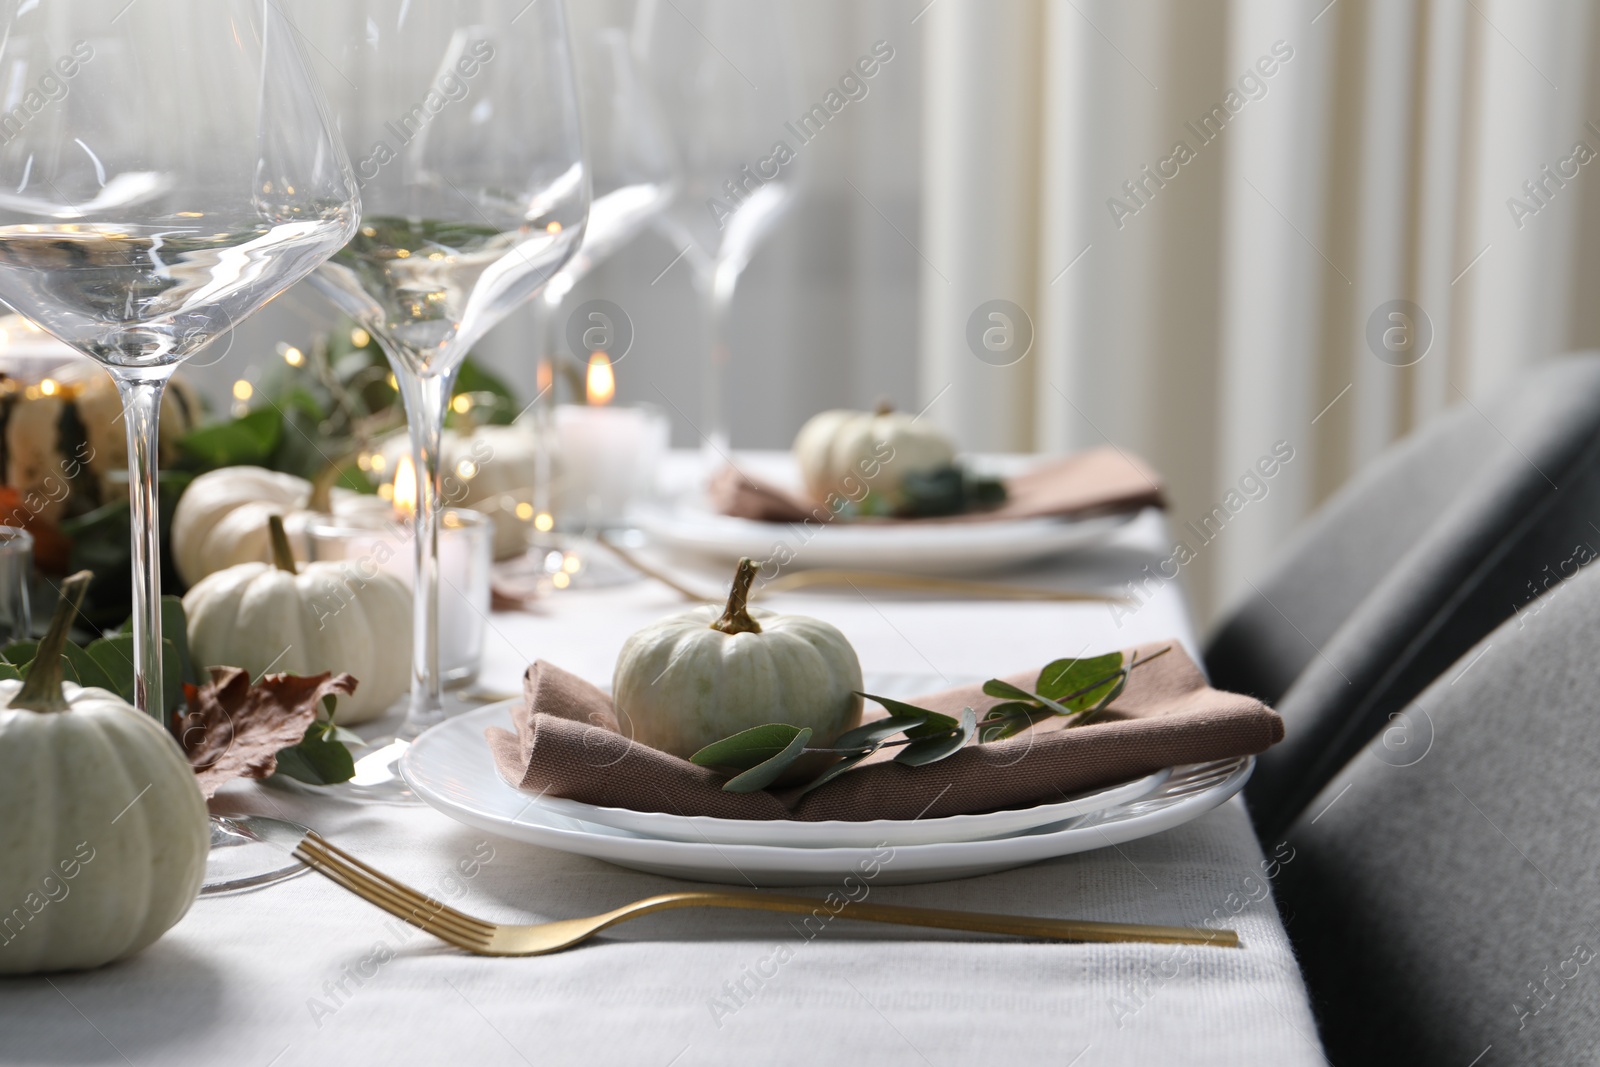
698 677
491 469
338 616
104 838
849 452
221 519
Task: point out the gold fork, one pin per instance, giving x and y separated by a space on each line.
502 939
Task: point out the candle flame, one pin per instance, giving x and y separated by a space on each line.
405 487
602 384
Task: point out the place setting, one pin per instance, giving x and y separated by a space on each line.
411 588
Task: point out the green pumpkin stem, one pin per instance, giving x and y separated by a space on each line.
282 554
885 407
736 619
41 688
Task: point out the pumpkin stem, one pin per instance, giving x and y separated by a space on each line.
322 485
736 619
41 689
282 554
885 407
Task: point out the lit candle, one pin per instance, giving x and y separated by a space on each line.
609 454
382 540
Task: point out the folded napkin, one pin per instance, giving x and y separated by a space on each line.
568 744
1097 481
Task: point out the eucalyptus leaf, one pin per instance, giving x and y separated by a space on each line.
248 440
175 628
936 726
317 760
901 708
875 733
20 653
1080 684
10 672
833 772
749 748
764 774
1008 720
996 687
89 670
933 749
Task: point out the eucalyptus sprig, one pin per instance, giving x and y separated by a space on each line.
1075 689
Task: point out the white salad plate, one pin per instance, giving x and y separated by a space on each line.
929 547
450 767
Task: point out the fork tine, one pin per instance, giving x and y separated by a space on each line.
405 892
441 924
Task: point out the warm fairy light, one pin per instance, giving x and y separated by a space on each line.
379 461
602 384
243 390
524 511
394 383
545 376
553 227
364 461
461 404
571 563
386 491
402 253
405 487
360 338
293 356
49 387
544 522
561 580
467 469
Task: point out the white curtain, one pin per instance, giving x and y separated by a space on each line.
1336 158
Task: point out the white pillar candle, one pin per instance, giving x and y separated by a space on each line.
608 458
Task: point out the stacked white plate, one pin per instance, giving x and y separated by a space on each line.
451 768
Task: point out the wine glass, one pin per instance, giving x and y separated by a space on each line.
721 73
166 168
462 119
633 176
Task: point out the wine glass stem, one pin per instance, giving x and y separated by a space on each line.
141 408
427 400
544 406
719 288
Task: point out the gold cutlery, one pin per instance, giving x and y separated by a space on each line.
502 939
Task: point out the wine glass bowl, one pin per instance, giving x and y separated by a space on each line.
463 120
165 169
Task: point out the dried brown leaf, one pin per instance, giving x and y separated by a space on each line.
234 729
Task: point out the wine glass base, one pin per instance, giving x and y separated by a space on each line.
250 851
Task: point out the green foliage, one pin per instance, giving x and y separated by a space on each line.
1076 689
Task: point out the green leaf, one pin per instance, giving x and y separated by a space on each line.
10 672
317 760
901 708
247 440
20 653
764 774
473 378
1008 720
833 772
874 733
89 671
113 656
748 748
175 628
933 749
937 726
1080 684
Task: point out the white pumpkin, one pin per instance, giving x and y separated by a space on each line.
491 469
698 677
332 616
221 519
849 452
104 837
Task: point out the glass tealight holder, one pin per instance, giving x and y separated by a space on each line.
16 571
382 542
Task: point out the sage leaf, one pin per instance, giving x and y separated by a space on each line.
764 774
933 749
1080 684
874 733
748 748
833 772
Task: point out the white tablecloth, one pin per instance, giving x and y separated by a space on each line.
304 973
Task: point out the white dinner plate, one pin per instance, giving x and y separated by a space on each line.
867 833
450 767
929 547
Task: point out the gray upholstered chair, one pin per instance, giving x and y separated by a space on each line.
1441 890
1408 566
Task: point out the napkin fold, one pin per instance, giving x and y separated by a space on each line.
1093 482
569 743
